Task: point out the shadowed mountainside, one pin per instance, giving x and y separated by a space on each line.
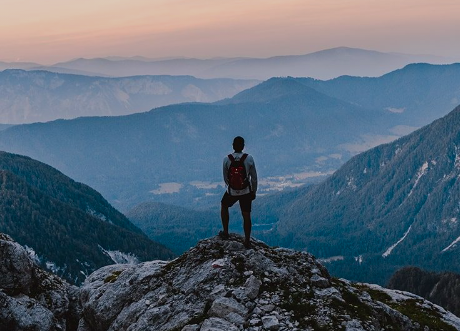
68 227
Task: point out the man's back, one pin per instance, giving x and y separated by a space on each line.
251 172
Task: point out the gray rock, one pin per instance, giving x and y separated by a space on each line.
193 327
16 268
252 287
223 307
240 294
319 281
217 324
270 322
268 308
31 298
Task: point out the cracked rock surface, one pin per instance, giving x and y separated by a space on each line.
32 299
220 285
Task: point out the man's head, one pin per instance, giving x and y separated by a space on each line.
238 144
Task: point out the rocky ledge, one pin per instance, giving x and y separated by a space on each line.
30 298
220 285
216 286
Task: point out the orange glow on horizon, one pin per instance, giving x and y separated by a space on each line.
49 31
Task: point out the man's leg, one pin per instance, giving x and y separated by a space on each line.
225 217
247 228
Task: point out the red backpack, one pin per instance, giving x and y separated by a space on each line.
237 177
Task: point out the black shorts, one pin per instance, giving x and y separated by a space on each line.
245 201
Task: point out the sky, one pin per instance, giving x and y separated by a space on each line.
50 31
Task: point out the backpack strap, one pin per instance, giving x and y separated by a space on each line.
244 157
231 158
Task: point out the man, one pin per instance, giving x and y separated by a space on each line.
240 176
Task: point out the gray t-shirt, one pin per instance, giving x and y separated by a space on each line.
250 171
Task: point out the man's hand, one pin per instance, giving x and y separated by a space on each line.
253 195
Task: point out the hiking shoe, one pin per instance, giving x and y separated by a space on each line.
247 245
223 235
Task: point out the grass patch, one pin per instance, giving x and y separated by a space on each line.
113 277
411 308
425 317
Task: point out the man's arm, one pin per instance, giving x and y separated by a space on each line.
253 174
225 170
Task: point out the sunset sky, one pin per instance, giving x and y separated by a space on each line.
49 31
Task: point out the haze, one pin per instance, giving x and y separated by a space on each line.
49 31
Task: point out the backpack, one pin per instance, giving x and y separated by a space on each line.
237 177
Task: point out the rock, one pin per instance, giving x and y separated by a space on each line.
193 327
217 324
268 308
227 308
31 298
16 268
270 322
319 281
254 321
252 287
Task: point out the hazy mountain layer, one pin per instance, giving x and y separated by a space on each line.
38 96
418 93
133 158
69 228
326 64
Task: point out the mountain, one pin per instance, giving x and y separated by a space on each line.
179 148
4 126
17 65
392 206
440 288
69 228
418 93
325 64
38 96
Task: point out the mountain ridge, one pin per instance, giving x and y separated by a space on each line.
323 64
384 203
38 96
69 228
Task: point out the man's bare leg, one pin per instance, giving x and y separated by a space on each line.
247 228
225 218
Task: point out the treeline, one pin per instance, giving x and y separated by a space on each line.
440 288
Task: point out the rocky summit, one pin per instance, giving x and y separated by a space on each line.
218 285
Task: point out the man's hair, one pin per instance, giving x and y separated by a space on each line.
238 144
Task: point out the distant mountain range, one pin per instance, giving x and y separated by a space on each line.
173 154
440 288
325 64
418 93
68 227
392 206
40 96
131 159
